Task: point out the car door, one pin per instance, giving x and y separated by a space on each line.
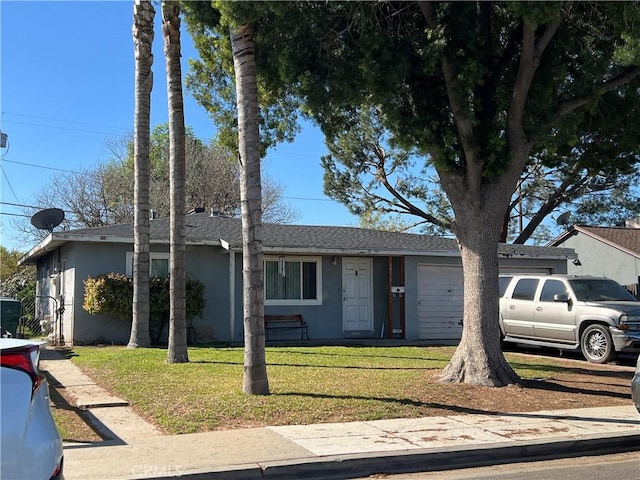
554 320
517 311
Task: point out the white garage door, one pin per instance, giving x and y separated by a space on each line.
440 302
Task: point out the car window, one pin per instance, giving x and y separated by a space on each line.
551 288
600 290
503 284
525 289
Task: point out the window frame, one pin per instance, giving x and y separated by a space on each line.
300 301
519 294
549 282
152 256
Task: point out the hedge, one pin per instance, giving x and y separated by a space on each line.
112 294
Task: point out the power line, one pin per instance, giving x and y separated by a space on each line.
21 205
62 120
311 199
6 177
82 173
15 214
44 166
55 127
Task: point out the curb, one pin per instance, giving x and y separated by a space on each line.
353 466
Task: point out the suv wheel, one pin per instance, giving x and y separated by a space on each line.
596 344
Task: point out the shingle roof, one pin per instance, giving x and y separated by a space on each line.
202 228
623 238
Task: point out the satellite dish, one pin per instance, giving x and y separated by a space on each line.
47 219
563 218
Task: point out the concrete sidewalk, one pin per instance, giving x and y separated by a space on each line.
330 451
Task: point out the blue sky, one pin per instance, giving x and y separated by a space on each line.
67 71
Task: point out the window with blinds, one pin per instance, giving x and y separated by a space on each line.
291 280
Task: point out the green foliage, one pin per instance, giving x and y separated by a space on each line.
8 262
158 151
159 304
211 80
21 284
336 57
112 294
339 59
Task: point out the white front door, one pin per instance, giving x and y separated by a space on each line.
357 307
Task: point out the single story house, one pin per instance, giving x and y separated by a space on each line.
346 282
612 252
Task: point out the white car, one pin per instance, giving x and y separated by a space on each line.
31 447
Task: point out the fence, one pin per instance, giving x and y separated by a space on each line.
44 317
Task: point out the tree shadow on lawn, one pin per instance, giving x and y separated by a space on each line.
445 408
358 355
601 371
274 349
346 367
547 385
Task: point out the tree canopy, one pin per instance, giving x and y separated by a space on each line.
391 188
478 88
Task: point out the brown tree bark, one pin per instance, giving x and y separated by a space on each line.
177 348
255 368
143 15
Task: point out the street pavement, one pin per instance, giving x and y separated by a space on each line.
135 449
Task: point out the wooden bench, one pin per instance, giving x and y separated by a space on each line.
286 322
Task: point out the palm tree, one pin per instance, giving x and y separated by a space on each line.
255 368
143 15
177 351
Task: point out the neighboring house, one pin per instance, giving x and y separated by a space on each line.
346 282
612 252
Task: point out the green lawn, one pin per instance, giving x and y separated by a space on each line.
308 384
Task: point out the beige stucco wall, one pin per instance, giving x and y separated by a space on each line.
602 260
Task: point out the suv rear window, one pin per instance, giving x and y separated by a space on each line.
503 284
525 289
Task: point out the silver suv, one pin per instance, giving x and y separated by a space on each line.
569 312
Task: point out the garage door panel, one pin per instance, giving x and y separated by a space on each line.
440 293
440 302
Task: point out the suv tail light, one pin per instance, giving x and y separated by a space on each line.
25 359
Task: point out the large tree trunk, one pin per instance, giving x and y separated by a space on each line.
177 349
255 368
478 360
143 14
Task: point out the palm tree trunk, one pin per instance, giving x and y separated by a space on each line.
255 368
177 350
143 15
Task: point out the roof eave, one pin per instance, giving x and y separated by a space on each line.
576 229
45 245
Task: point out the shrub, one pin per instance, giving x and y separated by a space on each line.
112 294
21 284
